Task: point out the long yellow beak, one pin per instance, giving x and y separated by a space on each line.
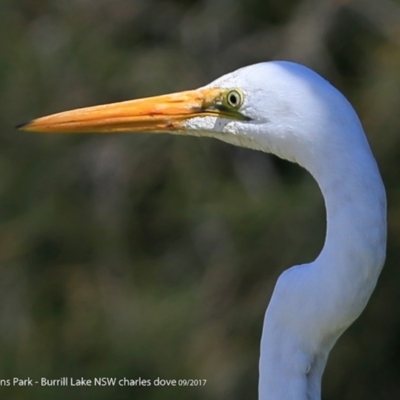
153 114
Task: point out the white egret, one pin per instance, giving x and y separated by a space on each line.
288 110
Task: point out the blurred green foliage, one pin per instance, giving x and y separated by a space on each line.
135 256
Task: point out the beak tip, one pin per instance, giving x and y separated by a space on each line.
22 126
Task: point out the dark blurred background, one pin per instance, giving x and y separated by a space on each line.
155 256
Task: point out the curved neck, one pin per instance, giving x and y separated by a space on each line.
313 304
355 244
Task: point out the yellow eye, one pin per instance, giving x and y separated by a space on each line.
234 98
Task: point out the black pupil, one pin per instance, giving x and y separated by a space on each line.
233 99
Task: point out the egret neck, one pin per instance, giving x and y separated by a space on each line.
312 304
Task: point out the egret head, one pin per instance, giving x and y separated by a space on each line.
289 110
278 107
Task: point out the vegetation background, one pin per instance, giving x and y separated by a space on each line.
138 256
